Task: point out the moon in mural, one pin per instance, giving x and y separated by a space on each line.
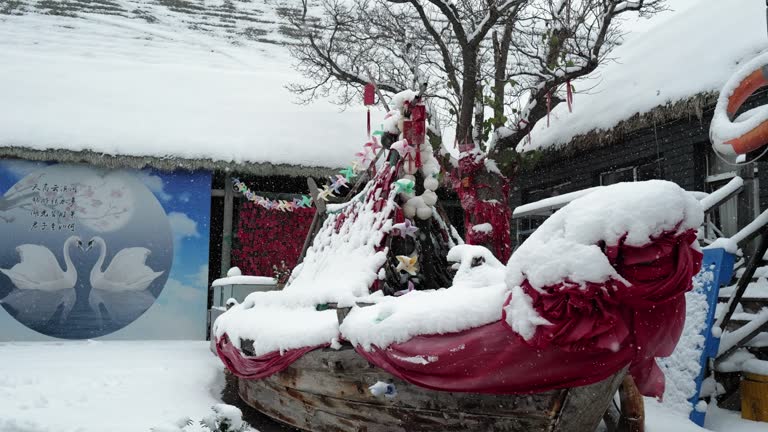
86 251
104 203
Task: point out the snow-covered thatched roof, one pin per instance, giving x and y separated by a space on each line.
165 83
674 67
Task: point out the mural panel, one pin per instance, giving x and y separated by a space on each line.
90 252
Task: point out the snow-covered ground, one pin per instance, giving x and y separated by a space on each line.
106 386
134 386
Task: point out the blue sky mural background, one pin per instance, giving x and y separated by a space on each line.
180 310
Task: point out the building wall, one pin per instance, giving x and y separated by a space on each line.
677 150
88 252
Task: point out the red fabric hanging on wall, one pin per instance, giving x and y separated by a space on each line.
265 237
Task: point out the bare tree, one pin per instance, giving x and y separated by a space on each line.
494 68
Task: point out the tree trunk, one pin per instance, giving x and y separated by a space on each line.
484 195
468 97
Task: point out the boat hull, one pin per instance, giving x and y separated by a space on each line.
327 391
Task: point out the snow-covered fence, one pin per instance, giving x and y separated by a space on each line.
548 205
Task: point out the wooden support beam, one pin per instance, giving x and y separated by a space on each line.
317 221
747 206
743 341
632 407
226 232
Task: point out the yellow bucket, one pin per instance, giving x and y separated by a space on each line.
754 397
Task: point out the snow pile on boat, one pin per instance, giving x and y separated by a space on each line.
277 328
340 266
475 298
347 253
568 244
566 247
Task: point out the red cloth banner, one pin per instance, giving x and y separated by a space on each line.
595 331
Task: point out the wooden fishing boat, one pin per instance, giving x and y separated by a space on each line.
326 390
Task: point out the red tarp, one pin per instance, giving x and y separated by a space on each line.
595 331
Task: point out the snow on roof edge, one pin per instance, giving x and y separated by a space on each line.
650 73
164 164
694 105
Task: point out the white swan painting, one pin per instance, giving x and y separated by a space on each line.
120 291
128 270
39 269
42 286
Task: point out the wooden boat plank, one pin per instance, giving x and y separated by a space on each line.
327 391
584 406
356 389
349 378
322 413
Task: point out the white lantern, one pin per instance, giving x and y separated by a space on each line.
409 210
424 213
429 197
431 183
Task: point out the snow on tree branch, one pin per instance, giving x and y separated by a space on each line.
577 38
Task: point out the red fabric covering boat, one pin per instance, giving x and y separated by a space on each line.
596 331
257 367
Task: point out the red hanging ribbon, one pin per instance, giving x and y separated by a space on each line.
368 94
368 100
569 95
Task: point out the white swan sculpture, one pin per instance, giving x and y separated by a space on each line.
127 271
39 269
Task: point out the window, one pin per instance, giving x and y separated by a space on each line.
724 221
526 225
638 172
543 192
